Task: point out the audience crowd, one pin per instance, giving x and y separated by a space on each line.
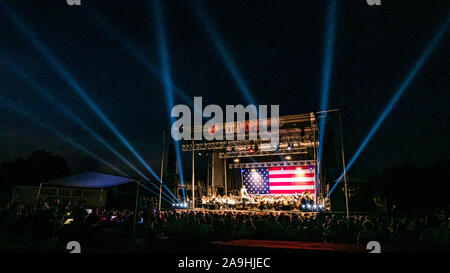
113 229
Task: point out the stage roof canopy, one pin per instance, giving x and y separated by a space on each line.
91 180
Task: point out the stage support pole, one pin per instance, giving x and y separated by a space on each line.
35 203
162 169
193 175
135 213
225 175
100 199
213 184
242 179
37 196
208 183
343 164
316 163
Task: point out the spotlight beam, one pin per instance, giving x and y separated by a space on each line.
226 56
326 73
74 84
24 76
394 100
8 104
19 110
165 65
136 52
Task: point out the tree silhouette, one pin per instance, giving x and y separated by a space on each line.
39 166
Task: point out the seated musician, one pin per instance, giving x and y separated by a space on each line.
279 203
268 202
286 202
218 202
212 200
224 201
304 200
252 201
204 201
231 201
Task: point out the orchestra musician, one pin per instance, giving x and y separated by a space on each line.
261 202
244 195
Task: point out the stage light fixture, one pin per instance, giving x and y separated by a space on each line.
288 157
290 146
236 160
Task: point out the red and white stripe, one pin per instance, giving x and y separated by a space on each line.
292 179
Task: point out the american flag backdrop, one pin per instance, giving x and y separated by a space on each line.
279 180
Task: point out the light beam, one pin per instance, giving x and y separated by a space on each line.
226 56
394 100
26 77
157 194
8 104
135 51
73 83
326 73
165 66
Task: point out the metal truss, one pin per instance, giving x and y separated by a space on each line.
248 153
221 145
272 164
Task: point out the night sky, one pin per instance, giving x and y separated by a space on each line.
277 46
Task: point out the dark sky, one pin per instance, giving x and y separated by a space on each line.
278 47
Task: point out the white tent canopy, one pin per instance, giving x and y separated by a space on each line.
91 180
